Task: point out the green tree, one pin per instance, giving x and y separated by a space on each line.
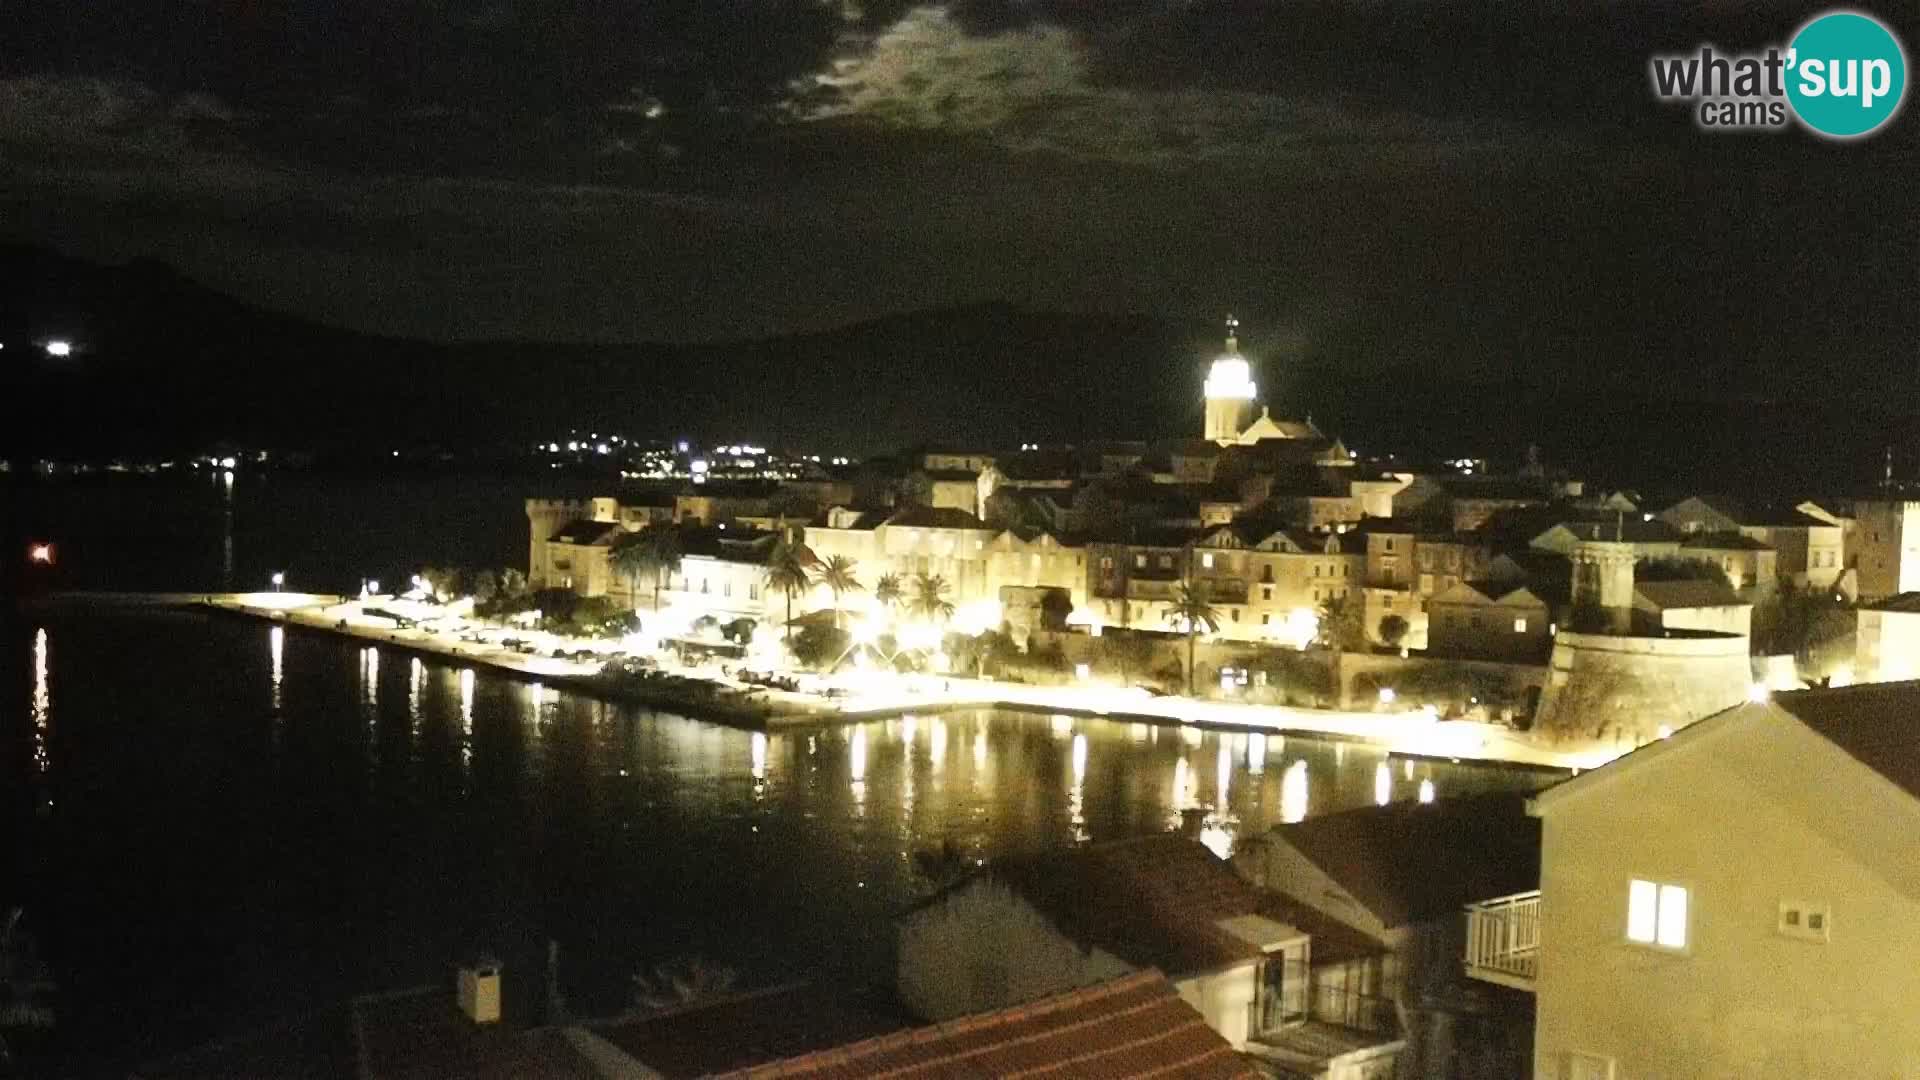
1340 624
818 646
1814 625
1193 609
888 591
442 582
1393 630
930 598
789 570
486 589
837 575
1677 568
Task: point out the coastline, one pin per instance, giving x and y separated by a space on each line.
1403 735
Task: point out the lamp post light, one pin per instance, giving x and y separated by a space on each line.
279 579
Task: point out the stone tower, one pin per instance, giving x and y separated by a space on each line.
1229 391
546 517
1603 581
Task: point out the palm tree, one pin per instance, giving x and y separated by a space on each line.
837 575
888 590
1191 607
930 598
653 550
788 570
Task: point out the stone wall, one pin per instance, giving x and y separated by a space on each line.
1621 689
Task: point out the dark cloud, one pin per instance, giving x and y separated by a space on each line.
1394 180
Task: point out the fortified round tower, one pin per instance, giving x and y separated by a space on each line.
1612 679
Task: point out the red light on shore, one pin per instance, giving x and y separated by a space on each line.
40 554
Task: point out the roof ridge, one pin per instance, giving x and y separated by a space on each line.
1020 1011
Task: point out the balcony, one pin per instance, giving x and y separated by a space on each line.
1503 940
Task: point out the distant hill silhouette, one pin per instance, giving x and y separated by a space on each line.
167 364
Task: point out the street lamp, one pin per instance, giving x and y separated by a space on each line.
40 554
279 579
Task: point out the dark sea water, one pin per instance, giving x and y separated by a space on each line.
216 824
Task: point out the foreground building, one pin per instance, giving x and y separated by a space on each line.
1025 928
1133 1026
1742 899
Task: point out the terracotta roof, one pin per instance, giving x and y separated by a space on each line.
1906 602
1151 901
1872 722
747 1030
1410 862
1334 942
1135 1026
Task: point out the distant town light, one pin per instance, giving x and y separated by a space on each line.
41 554
59 347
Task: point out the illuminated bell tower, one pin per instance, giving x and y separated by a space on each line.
1229 391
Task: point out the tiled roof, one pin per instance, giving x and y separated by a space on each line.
1135 1026
1623 528
1872 722
747 1030
1685 594
1756 515
1906 602
1724 541
935 517
1410 862
588 533
1151 901
420 1035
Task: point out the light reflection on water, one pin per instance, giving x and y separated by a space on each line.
41 710
482 802
277 645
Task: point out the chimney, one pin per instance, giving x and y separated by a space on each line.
479 990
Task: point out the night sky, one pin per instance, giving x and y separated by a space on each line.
1485 187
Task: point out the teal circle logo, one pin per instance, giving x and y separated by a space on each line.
1846 74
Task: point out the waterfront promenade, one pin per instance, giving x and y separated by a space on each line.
728 700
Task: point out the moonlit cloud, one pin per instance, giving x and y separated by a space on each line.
1034 87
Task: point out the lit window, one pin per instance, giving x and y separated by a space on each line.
1206 561
1519 626
1140 562
1656 914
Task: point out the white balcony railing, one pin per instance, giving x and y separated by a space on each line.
1503 940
